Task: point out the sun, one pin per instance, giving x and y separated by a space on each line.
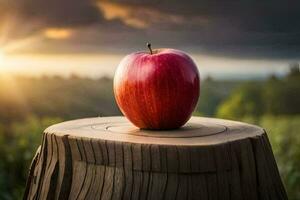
2 56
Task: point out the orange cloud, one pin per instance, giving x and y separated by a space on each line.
138 16
113 11
57 33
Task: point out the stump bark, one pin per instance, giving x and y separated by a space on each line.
108 158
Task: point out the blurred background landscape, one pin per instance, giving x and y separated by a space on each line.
58 57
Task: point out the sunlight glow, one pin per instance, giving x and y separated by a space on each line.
98 65
2 56
9 25
10 85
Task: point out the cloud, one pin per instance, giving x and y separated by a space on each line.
113 11
22 20
61 13
230 28
140 16
58 33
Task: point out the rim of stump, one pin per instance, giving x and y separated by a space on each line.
198 131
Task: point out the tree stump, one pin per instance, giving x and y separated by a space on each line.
108 158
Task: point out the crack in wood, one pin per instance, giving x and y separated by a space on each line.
238 164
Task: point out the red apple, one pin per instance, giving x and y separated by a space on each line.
157 90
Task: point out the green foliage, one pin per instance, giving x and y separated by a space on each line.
273 97
244 101
282 97
212 94
55 96
29 105
283 133
18 143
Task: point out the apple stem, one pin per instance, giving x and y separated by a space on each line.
149 47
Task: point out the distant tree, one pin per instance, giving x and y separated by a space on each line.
208 79
244 101
273 97
212 93
74 76
294 70
282 96
273 77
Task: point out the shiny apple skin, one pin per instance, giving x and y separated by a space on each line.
157 91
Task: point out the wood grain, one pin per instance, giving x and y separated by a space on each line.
108 158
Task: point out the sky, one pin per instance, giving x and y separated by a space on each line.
227 39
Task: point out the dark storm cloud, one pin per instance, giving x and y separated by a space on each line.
240 28
25 18
53 12
239 16
61 12
233 28
250 15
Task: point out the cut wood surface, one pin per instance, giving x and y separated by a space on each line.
108 158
